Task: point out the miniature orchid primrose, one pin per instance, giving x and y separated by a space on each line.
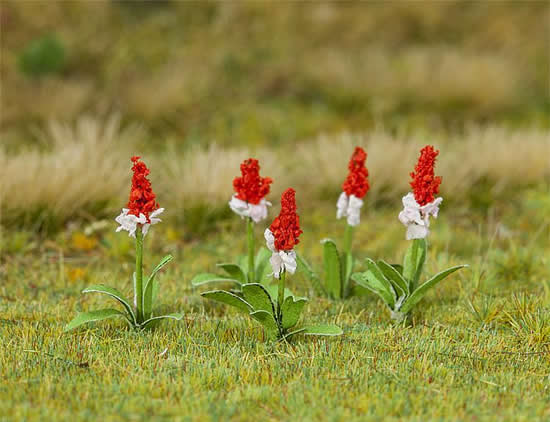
398 285
420 205
338 267
274 306
250 204
141 212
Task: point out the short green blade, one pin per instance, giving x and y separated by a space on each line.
419 293
258 297
115 294
86 317
332 269
322 330
291 310
229 299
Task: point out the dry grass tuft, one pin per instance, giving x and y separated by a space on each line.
81 168
86 167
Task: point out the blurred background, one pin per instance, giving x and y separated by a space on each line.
196 87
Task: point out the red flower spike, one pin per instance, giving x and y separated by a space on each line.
142 197
425 184
356 183
286 226
250 187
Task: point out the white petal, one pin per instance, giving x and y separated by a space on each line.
258 212
289 260
156 213
270 240
276 264
127 222
354 210
342 205
239 206
415 231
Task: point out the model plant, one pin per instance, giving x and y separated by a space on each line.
338 266
275 307
142 211
248 202
399 286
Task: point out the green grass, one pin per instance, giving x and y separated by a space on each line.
478 347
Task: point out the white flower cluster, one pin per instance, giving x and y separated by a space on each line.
256 212
350 207
129 222
280 260
416 217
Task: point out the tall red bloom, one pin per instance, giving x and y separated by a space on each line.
250 187
142 197
286 226
356 183
424 183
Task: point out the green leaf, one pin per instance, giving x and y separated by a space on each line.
263 268
412 269
234 271
374 280
291 311
399 283
148 291
258 297
293 333
176 316
268 321
378 277
273 290
206 278
229 299
332 268
322 330
115 294
398 267
85 317
305 268
419 293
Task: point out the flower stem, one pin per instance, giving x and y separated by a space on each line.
250 237
348 239
139 275
414 259
281 296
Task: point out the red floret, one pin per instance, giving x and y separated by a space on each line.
424 183
286 226
250 187
142 197
357 183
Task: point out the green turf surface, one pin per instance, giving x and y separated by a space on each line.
478 347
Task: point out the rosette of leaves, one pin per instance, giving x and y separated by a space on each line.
399 285
138 317
279 322
238 274
337 268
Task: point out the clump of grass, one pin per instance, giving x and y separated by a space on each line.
85 171
77 175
